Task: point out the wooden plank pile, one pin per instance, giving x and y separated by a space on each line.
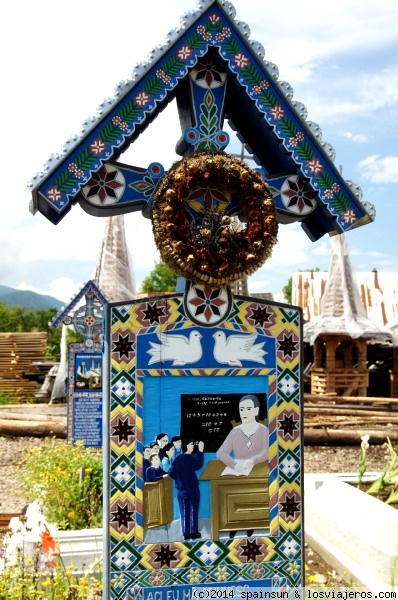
342 420
17 353
33 420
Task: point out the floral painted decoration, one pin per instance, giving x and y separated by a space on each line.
192 221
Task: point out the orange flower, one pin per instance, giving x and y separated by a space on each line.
48 543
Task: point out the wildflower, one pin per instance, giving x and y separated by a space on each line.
365 442
47 541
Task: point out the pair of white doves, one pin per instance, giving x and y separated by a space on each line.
182 350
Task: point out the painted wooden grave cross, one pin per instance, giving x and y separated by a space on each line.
202 427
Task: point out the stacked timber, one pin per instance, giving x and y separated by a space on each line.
33 420
343 420
18 351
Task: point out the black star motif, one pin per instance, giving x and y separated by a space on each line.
288 346
124 346
153 312
122 515
290 506
165 555
250 550
288 426
104 184
123 430
260 316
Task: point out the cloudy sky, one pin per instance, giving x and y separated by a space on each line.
61 59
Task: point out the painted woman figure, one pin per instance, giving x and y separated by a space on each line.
246 444
183 471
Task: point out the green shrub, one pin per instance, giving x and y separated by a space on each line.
66 479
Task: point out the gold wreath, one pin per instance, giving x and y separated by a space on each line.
216 251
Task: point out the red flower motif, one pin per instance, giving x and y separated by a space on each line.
241 60
277 112
315 166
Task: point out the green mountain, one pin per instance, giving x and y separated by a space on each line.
27 299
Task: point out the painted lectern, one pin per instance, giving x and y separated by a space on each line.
203 389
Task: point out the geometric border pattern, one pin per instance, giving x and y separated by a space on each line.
276 559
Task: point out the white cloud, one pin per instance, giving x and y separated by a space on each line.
359 138
62 288
377 169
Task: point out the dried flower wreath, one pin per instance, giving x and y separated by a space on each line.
192 226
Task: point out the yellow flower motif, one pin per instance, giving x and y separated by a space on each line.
294 568
194 576
222 574
118 580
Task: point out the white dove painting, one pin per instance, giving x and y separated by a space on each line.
235 348
180 349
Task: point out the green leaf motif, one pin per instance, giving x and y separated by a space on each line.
172 65
288 127
304 151
109 133
208 115
253 77
206 145
274 191
231 46
84 160
268 98
144 186
325 181
195 41
340 202
218 26
65 181
153 86
129 112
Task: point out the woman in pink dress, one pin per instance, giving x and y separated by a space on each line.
247 444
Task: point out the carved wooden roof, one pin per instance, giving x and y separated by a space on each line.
343 302
288 148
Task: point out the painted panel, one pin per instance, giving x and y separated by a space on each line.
195 522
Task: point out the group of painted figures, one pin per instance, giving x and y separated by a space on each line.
244 446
